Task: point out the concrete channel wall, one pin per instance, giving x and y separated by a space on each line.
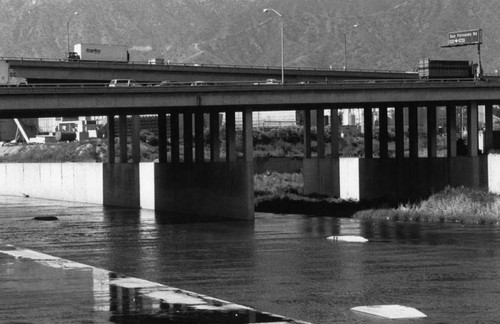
211 190
80 182
225 190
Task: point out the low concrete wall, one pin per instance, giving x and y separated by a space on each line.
494 173
147 185
349 178
225 190
278 164
80 182
208 191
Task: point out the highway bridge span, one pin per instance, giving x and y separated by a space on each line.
62 71
185 182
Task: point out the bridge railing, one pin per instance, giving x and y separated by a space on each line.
155 85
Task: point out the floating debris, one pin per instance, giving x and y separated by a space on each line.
390 311
46 218
347 238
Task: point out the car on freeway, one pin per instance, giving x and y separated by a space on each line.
268 81
123 83
166 83
199 83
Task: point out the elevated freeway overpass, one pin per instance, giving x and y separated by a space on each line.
58 71
39 100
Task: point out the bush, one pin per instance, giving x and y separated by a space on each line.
273 183
149 137
463 205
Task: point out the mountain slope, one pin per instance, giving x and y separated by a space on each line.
389 34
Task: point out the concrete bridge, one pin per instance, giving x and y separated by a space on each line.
62 71
222 187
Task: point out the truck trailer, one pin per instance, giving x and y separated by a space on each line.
101 52
445 69
8 76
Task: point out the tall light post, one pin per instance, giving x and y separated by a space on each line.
67 26
282 45
345 48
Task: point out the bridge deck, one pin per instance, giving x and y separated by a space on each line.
85 99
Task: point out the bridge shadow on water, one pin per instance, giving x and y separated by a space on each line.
131 215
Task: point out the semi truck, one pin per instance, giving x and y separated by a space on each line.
9 77
445 69
99 52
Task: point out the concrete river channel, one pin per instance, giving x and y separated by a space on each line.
278 264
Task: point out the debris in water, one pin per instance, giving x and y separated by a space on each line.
347 238
390 311
46 218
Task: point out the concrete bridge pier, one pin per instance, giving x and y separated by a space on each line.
321 172
400 176
184 185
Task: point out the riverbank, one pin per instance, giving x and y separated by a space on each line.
282 193
458 205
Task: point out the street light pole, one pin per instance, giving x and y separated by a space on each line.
67 26
345 51
345 48
282 44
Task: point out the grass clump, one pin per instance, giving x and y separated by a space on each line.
278 184
463 205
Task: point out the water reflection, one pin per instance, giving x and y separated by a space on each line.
279 263
61 289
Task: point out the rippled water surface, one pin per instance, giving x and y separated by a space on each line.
280 263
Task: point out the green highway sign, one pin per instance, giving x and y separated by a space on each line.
466 37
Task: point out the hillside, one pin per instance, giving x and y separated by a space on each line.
390 34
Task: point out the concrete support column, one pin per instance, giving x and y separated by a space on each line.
382 132
111 139
247 135
451 130
335 121
214 137
162 138
320 127
400 132
368 120
136 140
188 137
123 139
199 137
472 128
230 137
488 128
431 131
413 130
307 134
174 138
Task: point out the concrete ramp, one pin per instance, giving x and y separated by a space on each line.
48 289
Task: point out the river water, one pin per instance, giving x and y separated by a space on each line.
281 264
